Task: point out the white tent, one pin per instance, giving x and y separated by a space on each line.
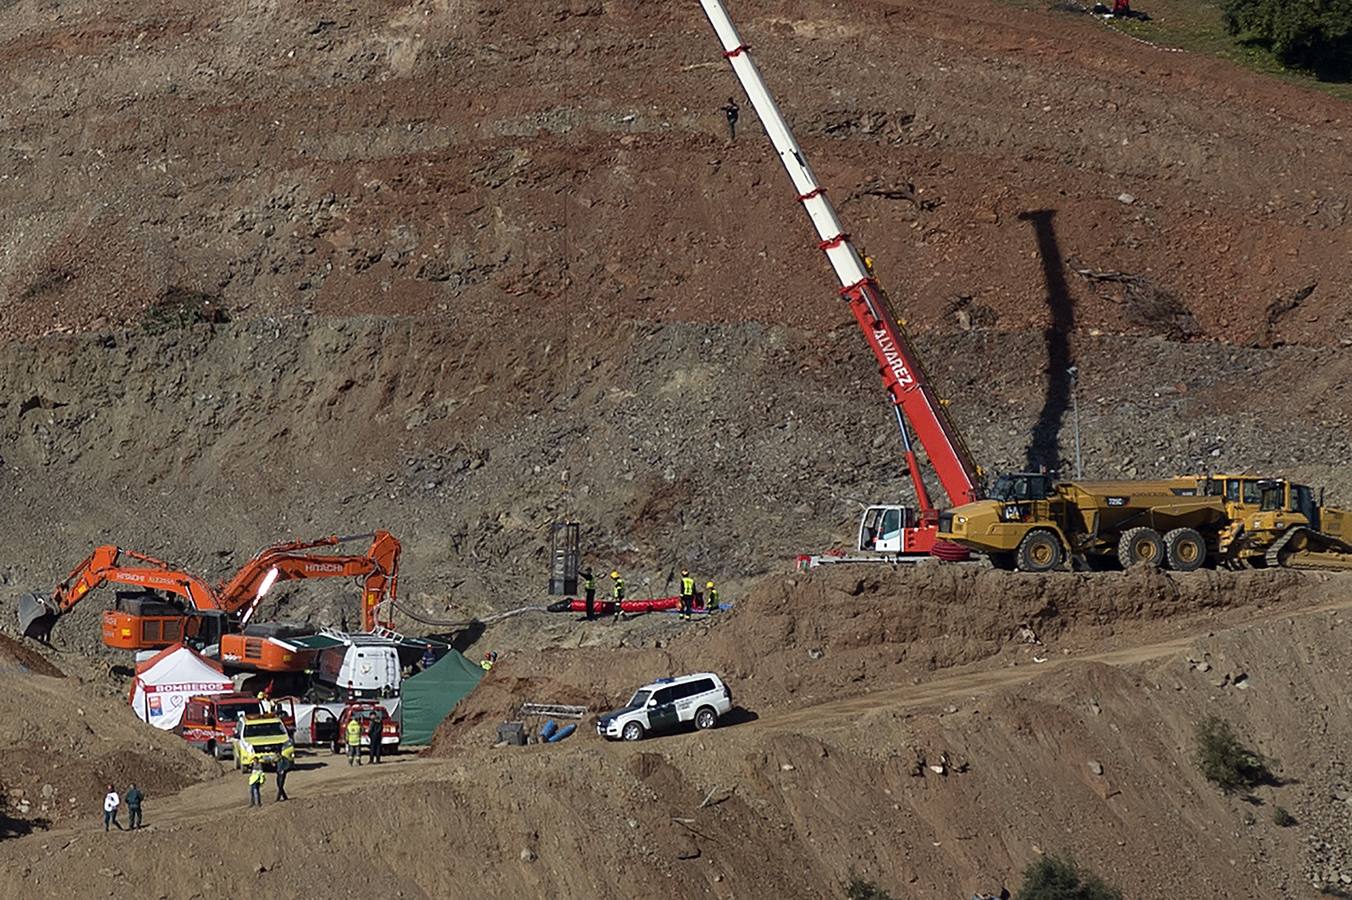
165 681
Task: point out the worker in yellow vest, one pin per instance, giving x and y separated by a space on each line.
256 779
687 594
353 741
617 592
710 597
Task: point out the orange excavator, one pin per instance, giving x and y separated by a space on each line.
144 620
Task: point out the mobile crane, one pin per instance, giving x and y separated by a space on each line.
142 620
886 533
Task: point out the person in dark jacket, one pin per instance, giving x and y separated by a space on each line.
286 761
589 587
133 799
375 731
731 111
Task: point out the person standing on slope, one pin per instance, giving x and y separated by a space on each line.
111 801
353 741
617 592
133 798
687 593
256 780
375 732
589 589
731 111
285 762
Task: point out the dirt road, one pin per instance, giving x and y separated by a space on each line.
973 684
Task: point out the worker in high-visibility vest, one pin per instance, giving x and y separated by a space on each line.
256 779
687 593
617 591
710 597
353 741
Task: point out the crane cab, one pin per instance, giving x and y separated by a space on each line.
884 529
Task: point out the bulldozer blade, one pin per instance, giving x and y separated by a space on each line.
36 616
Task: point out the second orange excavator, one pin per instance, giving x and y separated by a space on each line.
144 620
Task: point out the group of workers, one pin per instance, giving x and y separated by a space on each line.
709 602
375 735
286 759
112 802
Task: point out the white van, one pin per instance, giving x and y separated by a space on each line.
367 667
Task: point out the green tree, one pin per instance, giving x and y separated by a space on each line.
1225 761
1309 34
1053 877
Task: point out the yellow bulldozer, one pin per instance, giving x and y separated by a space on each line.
1036 524
1287 527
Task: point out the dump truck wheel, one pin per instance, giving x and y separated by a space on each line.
1040 551
1185 550
1140 547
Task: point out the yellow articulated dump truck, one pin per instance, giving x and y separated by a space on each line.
1036 524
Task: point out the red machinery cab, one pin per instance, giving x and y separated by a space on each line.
208 721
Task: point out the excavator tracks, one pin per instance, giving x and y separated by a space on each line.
1305 548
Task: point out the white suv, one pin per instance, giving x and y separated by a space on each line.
667 703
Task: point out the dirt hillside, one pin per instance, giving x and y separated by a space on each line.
62 740
1087 753
462 269
432 156
725 449
808 639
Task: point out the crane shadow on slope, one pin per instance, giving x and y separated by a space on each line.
1044 448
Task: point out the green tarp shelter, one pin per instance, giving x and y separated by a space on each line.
429 696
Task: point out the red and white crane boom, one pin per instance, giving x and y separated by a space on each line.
907 385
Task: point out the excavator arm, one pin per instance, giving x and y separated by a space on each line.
38 614
378 570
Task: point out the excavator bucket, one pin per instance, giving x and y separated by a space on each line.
36 616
